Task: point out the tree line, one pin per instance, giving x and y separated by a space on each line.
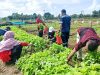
17 16
49 16
95 14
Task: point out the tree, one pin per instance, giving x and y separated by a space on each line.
10 17
74 16
95 13
99 13
87 15
81 15
48 16
34 16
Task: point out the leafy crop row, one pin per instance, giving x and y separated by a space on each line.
39 43
53 62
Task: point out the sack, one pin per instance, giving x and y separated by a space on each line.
58 40
45 31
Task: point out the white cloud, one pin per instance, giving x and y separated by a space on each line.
94 6
8 7
62 1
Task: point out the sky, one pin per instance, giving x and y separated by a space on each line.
7 7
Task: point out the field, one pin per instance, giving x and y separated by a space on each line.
50 59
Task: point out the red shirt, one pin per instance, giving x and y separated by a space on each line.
85 35
38 20
24 44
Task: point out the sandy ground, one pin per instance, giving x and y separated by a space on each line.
9 69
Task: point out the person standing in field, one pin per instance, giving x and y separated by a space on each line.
41 25
87 38
65 27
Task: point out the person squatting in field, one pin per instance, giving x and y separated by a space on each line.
51 34
54 36
87 38
7 46
65 27
41 25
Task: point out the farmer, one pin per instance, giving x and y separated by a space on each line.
51 34
65 27
41 25
54 36
87 38
7 45
3 31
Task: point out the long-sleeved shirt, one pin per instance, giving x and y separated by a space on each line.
85 35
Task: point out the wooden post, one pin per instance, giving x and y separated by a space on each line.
91 24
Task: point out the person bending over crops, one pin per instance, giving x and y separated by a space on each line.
41 25
65 27
3 31
7 46
87 38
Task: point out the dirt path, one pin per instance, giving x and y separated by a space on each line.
9 69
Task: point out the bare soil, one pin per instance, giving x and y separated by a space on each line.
9 69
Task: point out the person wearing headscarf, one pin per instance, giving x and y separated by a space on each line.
7 44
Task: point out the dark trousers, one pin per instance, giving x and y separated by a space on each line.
15 53
65 37
40 33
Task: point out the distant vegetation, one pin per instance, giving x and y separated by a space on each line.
49 16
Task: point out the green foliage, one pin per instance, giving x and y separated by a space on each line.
53 62
92 57
39 43
46 62
0 38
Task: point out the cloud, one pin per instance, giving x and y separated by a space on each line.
94 6
7 7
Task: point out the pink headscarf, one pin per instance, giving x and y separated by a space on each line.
8 34
8 42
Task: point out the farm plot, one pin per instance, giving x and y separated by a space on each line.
51 60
